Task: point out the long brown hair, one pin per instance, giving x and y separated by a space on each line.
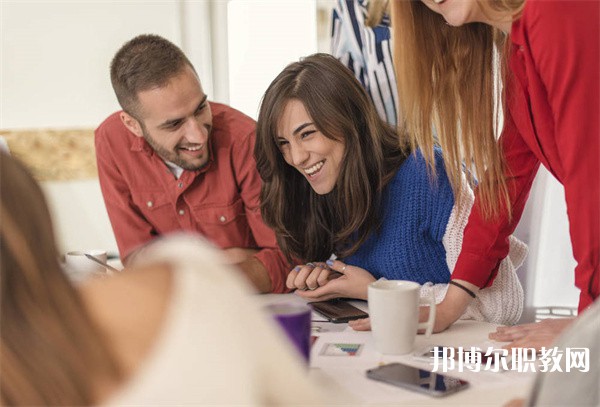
50 351
311 226
446 80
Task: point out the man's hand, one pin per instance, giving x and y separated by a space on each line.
535 335
341 280
236 255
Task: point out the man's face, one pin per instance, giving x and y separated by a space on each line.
176 120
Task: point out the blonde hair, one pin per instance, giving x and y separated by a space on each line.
50 351
446 81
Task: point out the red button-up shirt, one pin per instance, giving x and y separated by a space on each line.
553 117
219 201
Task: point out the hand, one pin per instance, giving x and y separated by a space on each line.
363 324
515 403
309 276
535 335
236 255
351 282
451 308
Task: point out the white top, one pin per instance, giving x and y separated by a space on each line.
216 347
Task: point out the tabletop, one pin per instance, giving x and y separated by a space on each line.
340 357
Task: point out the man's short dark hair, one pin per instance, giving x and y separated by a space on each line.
144 62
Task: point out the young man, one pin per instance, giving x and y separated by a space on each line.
171 160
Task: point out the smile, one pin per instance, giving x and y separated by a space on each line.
310 171
190 148
438 1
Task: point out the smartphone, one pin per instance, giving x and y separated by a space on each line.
413 378
338 311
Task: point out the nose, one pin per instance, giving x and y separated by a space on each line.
196 132
298 154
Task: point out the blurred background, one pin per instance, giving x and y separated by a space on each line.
55 89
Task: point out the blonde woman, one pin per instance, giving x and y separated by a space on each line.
549 69
166 332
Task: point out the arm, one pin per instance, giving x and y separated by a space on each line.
130 227
267 269
570 72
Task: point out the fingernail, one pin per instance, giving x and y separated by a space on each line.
310 264
329 262
297 268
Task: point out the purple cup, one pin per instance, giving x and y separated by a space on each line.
295 321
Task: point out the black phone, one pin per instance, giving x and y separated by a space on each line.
338 310
413 378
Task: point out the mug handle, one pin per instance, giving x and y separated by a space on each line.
428 325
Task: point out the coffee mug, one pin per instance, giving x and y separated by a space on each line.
79 266
295 320
394 313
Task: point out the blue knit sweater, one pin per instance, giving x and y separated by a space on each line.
416 209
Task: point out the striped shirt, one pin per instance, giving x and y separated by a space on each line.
367 52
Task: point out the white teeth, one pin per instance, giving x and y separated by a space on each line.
314 168
192 148
438 1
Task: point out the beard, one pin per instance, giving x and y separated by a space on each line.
175 157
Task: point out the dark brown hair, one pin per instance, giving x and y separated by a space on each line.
311 226
50 351
144 62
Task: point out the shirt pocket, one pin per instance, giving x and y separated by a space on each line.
158 210
225 225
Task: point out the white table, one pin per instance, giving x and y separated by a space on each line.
348 373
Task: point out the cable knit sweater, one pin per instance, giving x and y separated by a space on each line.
421 237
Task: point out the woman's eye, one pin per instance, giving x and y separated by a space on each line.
281 143
307 133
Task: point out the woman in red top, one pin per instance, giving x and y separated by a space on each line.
549 69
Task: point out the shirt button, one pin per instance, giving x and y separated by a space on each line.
181 212
222 219
149 204
180 185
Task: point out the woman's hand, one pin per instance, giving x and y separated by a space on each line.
341 280
310 276
451 308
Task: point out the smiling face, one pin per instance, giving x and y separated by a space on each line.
457 12
176 120
305 148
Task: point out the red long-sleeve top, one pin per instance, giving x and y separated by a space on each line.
553 99
220 201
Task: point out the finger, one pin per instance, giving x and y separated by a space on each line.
324 276
507 336
319 294
337 265
289 282
300 280
311 280
363 324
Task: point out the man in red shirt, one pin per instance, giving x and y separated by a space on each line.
173 161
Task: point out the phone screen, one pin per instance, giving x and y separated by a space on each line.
420 380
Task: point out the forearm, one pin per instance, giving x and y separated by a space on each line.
257 274
452 306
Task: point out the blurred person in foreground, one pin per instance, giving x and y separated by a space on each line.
167 331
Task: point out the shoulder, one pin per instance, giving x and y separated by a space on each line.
230 123
112 131
557 21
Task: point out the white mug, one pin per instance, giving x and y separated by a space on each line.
394 314
80 266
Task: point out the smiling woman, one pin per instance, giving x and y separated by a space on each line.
336 180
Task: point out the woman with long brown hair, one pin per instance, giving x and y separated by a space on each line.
336 180
164 332
458 63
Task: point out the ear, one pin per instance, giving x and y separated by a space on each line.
132 124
